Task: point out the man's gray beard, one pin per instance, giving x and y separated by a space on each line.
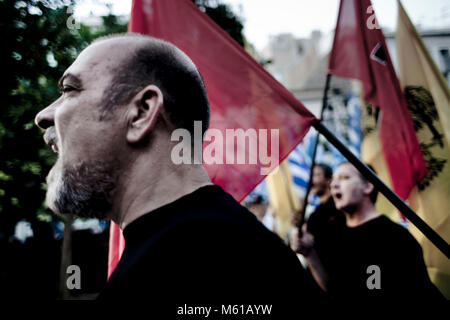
85 190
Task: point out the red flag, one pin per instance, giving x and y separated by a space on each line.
241 93
116 246
359 51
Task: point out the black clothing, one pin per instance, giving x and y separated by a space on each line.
325 216
390 247
205 248
325 223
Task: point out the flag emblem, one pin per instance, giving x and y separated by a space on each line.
378 54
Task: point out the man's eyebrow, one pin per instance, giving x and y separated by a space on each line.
76 81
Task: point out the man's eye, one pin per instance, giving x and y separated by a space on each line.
67 89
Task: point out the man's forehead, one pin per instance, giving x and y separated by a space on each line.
113 48
346 168
98 58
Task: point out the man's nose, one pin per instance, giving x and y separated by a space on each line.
46 117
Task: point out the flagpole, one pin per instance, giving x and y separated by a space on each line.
313 157
434 237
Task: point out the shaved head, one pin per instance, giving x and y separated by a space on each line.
90 125
154 61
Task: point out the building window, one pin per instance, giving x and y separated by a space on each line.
445 57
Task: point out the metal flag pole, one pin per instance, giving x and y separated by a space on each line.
432 235
301 219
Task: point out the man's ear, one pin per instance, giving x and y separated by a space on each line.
368 188
144 110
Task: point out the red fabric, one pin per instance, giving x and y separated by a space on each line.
241 93
116 246
353 56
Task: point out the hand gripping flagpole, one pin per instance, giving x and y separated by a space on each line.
432 235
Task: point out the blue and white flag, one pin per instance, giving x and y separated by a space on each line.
349 133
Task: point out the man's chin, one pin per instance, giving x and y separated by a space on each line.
52 179
50 199
338 204
83 190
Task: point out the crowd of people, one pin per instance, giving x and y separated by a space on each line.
186 239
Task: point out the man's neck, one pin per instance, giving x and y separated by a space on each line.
148 185
361 215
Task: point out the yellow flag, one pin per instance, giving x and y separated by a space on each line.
428 98
372 154
282 197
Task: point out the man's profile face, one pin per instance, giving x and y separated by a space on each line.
347 188
83 179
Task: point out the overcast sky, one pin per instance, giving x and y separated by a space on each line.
263 18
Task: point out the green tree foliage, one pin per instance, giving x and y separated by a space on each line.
224 17
37 48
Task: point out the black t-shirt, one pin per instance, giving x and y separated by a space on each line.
391 248
325 223
205 248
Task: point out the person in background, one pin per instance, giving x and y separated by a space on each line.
326 220
374 258
324 223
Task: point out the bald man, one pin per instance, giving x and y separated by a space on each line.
186 240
